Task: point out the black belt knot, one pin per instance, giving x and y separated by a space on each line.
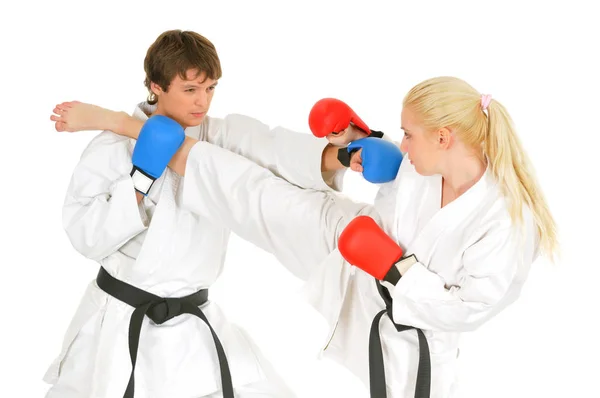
163 310
160 310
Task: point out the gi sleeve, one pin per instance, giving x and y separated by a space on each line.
100 211
494 270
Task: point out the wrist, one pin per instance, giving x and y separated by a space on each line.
330 160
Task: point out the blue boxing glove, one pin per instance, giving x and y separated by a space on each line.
159 139
380 158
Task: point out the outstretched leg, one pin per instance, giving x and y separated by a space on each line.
299 226
78 116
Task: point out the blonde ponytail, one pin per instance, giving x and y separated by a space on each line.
451 102
511 166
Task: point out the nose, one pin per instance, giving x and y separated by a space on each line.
202 100
403 145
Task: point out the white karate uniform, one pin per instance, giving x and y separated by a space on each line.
472 261
164 249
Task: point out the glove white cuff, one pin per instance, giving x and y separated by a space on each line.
142 182
405 263
399 269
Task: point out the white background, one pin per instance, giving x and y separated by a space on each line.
538 59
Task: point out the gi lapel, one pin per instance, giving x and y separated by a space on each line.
448 217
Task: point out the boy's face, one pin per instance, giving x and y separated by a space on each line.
186 100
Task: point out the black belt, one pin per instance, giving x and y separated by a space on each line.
376 367
160 310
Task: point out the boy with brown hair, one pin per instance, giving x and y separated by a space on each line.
147 314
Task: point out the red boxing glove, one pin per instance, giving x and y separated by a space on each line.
330 115
365 245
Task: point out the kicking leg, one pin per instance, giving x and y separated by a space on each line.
299 226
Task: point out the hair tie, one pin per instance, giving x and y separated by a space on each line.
485 101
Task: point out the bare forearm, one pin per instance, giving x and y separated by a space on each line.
329 160
179 160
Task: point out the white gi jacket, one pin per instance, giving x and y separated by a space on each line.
472 261
164 249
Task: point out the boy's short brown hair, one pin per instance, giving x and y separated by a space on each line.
175 52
